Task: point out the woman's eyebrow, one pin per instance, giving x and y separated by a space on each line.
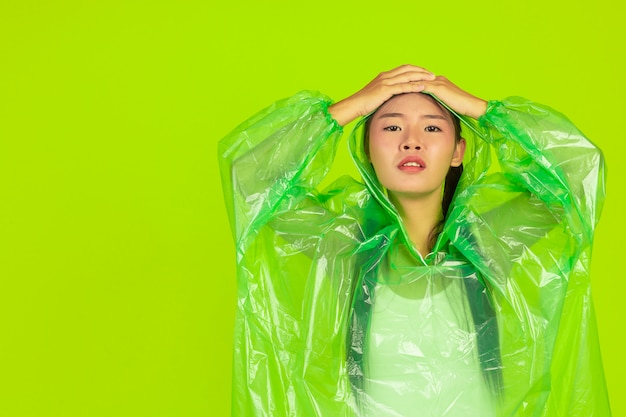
434 116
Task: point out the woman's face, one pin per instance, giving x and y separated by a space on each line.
412 145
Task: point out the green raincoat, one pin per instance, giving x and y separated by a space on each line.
339 315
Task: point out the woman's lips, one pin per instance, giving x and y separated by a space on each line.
412 163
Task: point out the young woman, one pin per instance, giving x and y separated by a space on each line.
407 294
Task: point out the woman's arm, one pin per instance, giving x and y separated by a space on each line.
283 151
539 211
541 149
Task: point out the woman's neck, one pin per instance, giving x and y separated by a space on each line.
420 216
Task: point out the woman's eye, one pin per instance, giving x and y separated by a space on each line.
392 128
432 129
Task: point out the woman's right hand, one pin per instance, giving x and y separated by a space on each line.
403 79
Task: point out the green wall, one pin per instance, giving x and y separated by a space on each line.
116 268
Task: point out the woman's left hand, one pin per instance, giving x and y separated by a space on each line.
457 99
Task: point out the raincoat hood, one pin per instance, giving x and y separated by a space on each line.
476 164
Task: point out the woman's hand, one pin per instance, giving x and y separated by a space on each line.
405 79
457 99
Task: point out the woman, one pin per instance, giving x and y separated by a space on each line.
472 307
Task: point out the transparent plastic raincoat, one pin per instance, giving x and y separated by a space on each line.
339 315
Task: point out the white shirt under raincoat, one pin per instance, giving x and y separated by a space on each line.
339 315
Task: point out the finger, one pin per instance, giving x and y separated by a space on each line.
406 87
406 69
411 76
436 84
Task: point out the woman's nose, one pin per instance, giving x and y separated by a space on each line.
411 142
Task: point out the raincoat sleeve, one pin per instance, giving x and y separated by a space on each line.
544 152
528 229
550 185
275 157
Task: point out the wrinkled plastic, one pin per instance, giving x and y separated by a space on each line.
338 315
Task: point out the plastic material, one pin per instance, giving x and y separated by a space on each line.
338 315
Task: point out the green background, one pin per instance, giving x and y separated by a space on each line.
117 291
